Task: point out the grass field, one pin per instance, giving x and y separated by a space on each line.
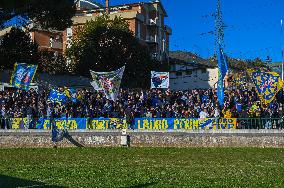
142 167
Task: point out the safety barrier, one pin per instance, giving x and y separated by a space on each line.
142 123
260 123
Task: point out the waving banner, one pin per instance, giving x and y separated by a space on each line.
57 97
108 82
222 71
267 84
160 79
23 75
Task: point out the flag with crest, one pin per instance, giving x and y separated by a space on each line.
23 75
108 82
267 84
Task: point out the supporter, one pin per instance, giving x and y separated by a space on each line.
137 103
203 114
216 112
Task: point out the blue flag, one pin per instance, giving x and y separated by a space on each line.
222 71
23 75
57 97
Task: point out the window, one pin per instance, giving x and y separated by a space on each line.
51 40
178 73
69 32
138 29
189 72
203 70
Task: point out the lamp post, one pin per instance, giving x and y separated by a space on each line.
107 6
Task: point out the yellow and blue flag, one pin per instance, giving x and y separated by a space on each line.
267 84
222 71
23 75
71 94
57 97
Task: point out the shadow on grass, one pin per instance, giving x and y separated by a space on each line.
142 185
8 181
72 140
59 136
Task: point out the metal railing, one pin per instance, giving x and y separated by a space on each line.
260 123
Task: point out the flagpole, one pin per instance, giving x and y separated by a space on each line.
282 51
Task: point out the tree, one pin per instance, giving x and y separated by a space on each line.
48 14
106 45
52 63
17 46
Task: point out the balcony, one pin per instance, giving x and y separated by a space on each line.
151 39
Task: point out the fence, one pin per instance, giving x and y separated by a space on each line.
142 123
260 123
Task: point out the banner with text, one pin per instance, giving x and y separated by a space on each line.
189 124
116 123
71 123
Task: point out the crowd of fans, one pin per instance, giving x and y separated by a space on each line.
137 103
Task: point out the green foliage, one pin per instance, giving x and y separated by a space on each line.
142 167
48 14
106 45
17 46
52 64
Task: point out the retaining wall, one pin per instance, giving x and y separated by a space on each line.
112 138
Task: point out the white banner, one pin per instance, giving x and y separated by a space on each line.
109 82
160 80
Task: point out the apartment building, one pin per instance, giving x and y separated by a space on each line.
146 20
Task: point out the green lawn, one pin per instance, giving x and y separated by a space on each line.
142 167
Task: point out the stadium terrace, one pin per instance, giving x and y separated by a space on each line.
131 104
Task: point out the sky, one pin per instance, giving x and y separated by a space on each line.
254 28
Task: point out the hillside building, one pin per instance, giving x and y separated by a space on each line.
190 75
